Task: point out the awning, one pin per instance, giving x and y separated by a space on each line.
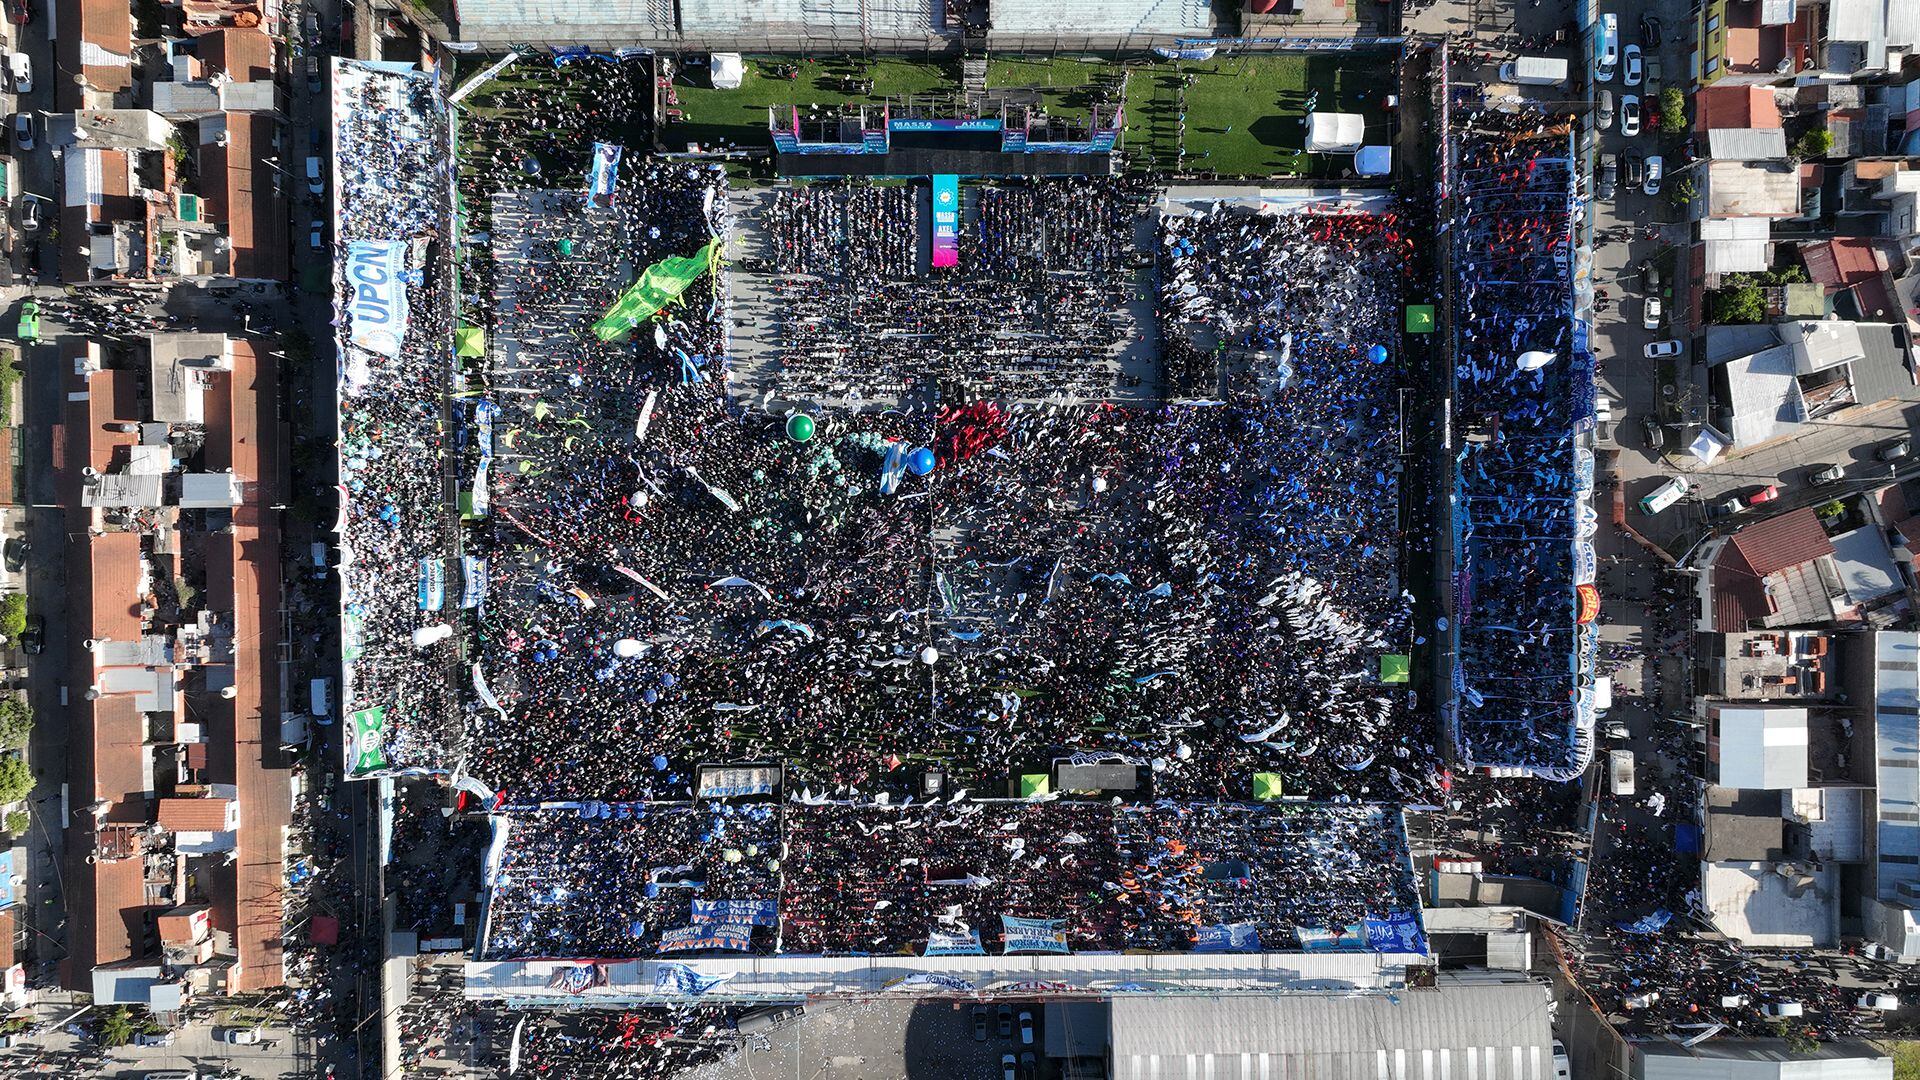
1339 133
1708 445
470 341
727 70
1373 161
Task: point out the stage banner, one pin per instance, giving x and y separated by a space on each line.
659 285
603 173
473 575
1395 932
974 124
366 741
736 937
954 943
377 310
749 912
1033 935
1227 937
946 220
433 584
1348 939
577 978
681 979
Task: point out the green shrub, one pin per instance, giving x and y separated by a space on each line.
16 722
1740 304
13 616
16 780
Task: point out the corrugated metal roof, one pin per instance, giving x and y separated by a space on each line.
1494 1031
1102 17
1763 1059
1747 144
1763 748
632 18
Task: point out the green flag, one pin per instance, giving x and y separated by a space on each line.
659 285
369 733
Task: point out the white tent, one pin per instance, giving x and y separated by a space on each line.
1338 133
727 70
1373 161
1707 445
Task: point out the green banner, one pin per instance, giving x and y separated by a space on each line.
367 746
659 285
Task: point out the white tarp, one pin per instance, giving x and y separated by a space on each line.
1708 445
377 311
1339 133
727 70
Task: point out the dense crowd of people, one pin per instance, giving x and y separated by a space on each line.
609 880
1524 386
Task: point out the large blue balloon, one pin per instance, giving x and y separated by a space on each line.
920 462
1378 354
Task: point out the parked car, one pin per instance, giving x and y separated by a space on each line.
1895 450
1630 115
979 1023
315 184
14 552
34 638
1764 496
1650 280
1636 169
313 74
1603 175
1006 1021
1026 1027
1029 1065
1670 347
317 234
1650 31
1630 69
1665 495
1007 1068
1603 112
31 214
20 69
1655 432
1825 474
23 130
1781 1009
241 1036
1655 311
1616 730
1729 506
153 1038
1654 173
1562 1064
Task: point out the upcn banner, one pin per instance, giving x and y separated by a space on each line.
377 312
946 220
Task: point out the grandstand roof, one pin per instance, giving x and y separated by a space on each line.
1334 1037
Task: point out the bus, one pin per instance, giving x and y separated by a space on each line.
1606 47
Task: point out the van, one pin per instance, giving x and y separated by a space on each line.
1603 693
153 1038
320 698
1534 71
1665 495
1607 47
1620 771
1781 1009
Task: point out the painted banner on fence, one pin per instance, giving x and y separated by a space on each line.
1395 932
681 979
366 741
377 309
1033 935
1227 937
736 937
433 584
954 943
749 912
473 576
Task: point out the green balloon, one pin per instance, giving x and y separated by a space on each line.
799 427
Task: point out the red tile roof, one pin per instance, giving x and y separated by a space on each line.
105 903
1735 107
1763 548
96 39
194 815
242 195
243 54
1844 260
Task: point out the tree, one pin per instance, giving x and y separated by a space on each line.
1739 304
1814 144
18 822
16 780
116 1026
13 616
16 722
1673 111
1682 194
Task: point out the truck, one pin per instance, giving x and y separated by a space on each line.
1534 71
1620 771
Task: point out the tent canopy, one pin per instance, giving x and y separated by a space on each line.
1395 667
727 70
470 341
1033 784
1708 445
1267 786
1373 161
1337 133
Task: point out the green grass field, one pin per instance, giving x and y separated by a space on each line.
740 116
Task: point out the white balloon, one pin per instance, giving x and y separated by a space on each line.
929 655
429 635
1099 484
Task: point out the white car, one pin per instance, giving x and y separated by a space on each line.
1670 347
317 234
1655 171
1655 311
23 130
315 185
248 1036
20 67
1630 59
1629 115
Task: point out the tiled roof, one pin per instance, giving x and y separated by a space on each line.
241 194
105 901
243 54
1763 548
1735 107
96 39
194 815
